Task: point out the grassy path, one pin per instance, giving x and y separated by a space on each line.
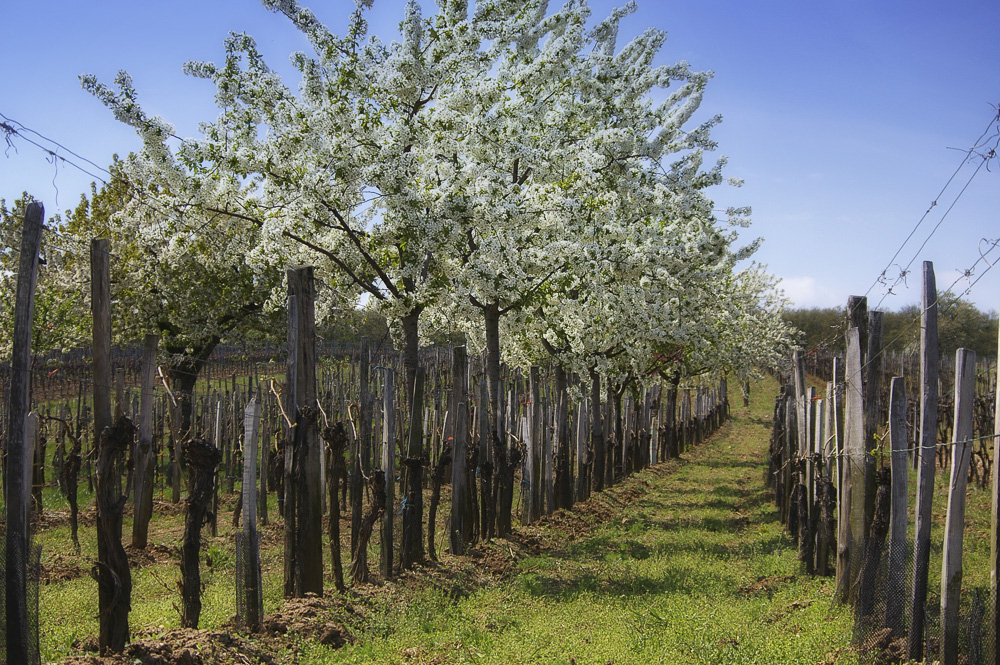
693 567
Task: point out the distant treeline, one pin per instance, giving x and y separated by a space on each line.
960 325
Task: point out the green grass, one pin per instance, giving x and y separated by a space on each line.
696 571
695 568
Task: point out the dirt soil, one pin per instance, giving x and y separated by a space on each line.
315 619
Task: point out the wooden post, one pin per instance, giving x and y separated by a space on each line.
548 476
801 403
413 504
597 441
951 565
485 465
114 580
857 455
100 305
265 456
581 451
836 425
789 459
536 418
816 479
459 531
389 467
929 362
851 542
143 501
248 572
303 508
361 453
872 377
896 584
529 481
22 643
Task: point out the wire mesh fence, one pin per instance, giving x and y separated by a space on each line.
249 589
882 632
27 645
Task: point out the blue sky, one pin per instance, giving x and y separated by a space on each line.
845 118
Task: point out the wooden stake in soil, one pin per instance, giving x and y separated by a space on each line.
413 505
929 362
303 507
389 468
114 580
896 584
250 605
143 495
460 528
855 467
22 644
951 565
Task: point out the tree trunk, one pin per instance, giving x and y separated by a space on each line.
411 348
597 432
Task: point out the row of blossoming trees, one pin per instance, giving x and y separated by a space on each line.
506 173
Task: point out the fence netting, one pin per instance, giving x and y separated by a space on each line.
249 594
33 573
883 620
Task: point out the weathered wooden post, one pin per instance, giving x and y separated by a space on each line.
858 456
303 507
460 531
801 401
22 641
929 362
486 467
820 492
581 451
361 460
249 591
114 579
413 505
961 452
597 441
872 377
529 481
548 474
143 492
389 467
896 584
789 459
100 305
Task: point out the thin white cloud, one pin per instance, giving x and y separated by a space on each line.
806 292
